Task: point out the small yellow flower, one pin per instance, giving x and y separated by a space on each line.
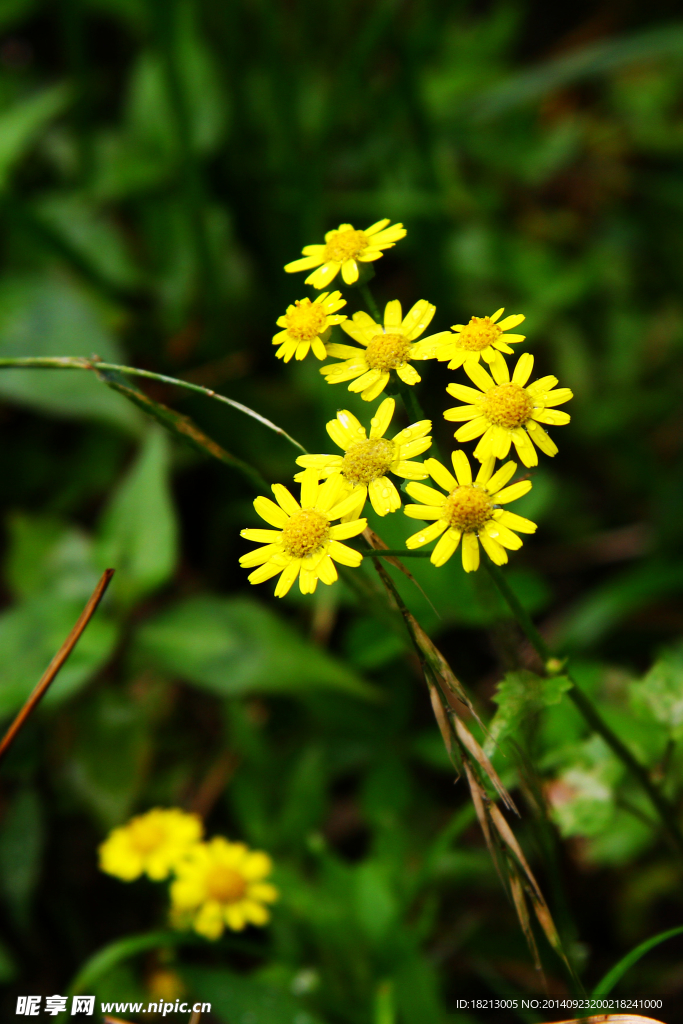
482 337
304 541
367 460
387 348
221 884
151 844
470 510
307 325
505 411
344 248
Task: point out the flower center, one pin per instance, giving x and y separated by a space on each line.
468 508
368 460
345 245
224 884
478 334
306 321
508 405
145 836
387 351
305 532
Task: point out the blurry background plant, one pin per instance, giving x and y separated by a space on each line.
160 161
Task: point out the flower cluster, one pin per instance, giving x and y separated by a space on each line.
502 410
215 884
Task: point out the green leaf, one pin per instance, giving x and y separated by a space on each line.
237 645
109 756
21 844
138 532
659 694
239 1000
605 986
22 123
375 902
44 317
519 696
582 798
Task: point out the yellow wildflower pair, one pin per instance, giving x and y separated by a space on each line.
216 883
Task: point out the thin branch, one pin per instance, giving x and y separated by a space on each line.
81 363
57 662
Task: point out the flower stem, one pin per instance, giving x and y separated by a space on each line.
369 300
664 808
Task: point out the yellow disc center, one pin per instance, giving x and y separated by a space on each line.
305 532
345 245
508 405
224 884
468 508
479 333
306 321
387 351
145 836
368 460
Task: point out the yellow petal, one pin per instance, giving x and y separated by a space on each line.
512 492
511 321
427 495
424 512
373 390
349 271
392 315
501 477
525 365
418 319
463 471
344 554
477 374
285 500
440 474
427 534
493 549
289 574
271 512
383 496
379 424
408 374
445 547
515 522
470 552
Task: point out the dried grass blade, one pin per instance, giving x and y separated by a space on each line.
508 837
518 898
470 743
376 542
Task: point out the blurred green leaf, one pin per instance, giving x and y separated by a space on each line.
595 59
660 692
22 123
237 645
138 532
375 902
49 317
236 999
21 845
519 697
583 798
110 753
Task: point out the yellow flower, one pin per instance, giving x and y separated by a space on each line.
391 347
367 460
220 884
151 844
470 510
344 248
307 325
304 541
481 338
505 411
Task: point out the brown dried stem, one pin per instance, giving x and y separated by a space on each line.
55 665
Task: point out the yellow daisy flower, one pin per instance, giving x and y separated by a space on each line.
470 510
307 325
482 337
506 411
304 542
344 248
367 460
151 844
387 348
221 884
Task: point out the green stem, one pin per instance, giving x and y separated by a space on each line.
411 402
393 553
665 810
369 300
81 363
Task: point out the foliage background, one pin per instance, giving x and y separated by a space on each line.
160 160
